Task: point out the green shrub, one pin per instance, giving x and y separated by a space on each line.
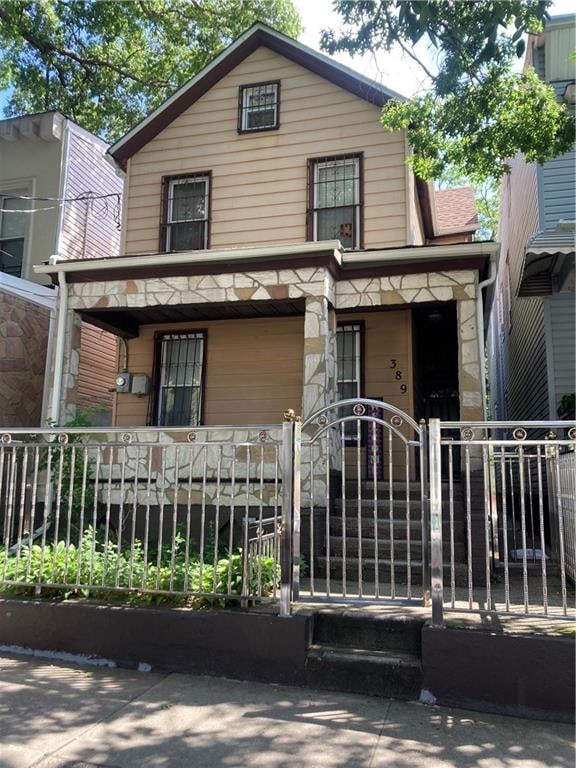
105 565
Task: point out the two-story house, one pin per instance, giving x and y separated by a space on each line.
58 194
277 252
532 328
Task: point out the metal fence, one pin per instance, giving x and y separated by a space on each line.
336 508
502 526
148 513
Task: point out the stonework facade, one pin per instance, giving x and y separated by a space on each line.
24 329
323 296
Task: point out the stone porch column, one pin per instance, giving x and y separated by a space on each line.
468 362
471 410
319 372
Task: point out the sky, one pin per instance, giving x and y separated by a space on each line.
395 69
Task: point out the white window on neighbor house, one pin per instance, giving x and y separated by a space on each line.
349 370
13 229
259 107
335 205
186 212
179 379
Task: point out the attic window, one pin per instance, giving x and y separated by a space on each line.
259 107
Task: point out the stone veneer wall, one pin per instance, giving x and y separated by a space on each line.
323 296
24 329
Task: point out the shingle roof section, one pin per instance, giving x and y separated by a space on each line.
455 210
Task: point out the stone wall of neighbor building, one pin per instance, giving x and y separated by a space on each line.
24 329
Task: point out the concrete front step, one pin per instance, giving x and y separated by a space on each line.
350 525
371 632
389 674
368 544
369 568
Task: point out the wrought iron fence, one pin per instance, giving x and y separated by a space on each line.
149 513
500 527
364 514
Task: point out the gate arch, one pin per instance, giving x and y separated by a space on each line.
361 526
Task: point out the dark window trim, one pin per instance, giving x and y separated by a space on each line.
164 198
310 164
241 90
157 366
351 441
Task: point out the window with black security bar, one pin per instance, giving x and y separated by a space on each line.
186 212
348 372
259 107
180 379
12 235
335 200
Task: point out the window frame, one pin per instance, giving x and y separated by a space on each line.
243 110
14 193
358 327
168 183
312 216
160 337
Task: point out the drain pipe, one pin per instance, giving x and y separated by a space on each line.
54 413
480 328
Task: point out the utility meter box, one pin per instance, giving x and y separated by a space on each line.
123 381
140 384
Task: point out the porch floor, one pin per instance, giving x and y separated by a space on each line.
458 610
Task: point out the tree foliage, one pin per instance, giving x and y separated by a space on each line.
107 64
478 112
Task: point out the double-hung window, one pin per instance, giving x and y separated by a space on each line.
348 370
186 212
334 200
180 379
259 107
12 234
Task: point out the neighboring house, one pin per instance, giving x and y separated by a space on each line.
54 177
277 252
532 327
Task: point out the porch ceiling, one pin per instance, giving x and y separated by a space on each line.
126 322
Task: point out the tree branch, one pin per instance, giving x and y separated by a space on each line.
87 62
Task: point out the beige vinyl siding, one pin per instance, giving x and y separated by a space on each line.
259 181
97 371
387 337
253 370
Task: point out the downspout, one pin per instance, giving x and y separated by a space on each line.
54 415
480 329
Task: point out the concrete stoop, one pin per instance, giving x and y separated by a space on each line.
362 653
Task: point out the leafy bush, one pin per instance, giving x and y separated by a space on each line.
109 568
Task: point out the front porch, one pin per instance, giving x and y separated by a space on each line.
245 344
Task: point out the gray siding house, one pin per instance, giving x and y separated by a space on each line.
531 361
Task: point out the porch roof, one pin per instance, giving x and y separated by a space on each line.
327 253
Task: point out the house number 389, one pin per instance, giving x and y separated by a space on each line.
398 375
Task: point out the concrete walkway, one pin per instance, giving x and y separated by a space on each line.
59 715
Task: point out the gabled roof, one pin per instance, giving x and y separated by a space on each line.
258 35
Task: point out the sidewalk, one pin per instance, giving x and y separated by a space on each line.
59 715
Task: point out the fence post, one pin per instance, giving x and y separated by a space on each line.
436 555
290 436
425 512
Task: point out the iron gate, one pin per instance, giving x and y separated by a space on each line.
360 518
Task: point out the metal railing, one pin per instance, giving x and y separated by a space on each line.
150 513
501 536
562 496
364 514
